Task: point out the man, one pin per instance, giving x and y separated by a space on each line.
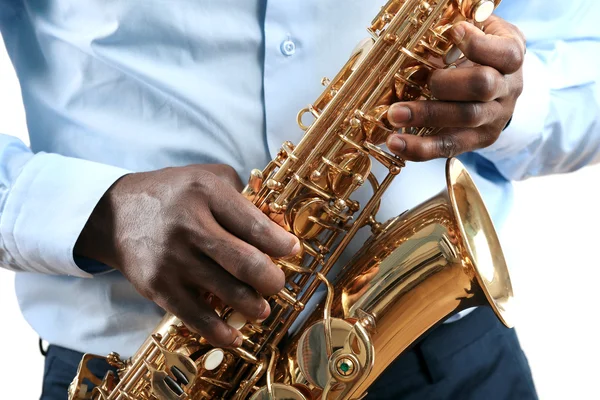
105 237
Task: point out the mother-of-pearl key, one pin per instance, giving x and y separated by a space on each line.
213 359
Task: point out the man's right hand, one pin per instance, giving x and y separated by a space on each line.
180 234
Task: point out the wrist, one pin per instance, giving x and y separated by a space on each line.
96 240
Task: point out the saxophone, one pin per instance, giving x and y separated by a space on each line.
417 269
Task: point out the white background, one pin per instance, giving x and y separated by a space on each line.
552 246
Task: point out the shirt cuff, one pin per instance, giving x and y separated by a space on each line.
47 208
529 118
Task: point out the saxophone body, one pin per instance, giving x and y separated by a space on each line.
417 269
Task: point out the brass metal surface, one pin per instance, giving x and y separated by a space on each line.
427 264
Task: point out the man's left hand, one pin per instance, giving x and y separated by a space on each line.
473 103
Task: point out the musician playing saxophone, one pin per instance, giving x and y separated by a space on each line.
143 115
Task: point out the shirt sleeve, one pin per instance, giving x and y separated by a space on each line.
556 123
45 201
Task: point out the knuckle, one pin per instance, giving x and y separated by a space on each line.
202 181
257 269
447 146
257 262
247 264
488 138
260 226
153 281
515 56
484 84
519 89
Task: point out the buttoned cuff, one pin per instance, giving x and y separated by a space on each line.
528 120
47 208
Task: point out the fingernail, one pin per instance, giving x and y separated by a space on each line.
398 114
296 248
396 144
457 33
237 342
265 313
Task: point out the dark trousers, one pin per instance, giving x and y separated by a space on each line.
475 358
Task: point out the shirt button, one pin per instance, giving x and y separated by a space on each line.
288 48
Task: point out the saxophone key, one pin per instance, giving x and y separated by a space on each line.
386 15
272 184
308 218
184 364
213 359
390 38
245 355
477 10
288 148
453 56
163 386
289 298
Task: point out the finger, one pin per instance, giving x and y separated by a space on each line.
443 114
502 47
240 259
229 290
478 83
495 25
198 316
443 145
244 220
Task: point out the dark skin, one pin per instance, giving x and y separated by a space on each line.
181 235
474 101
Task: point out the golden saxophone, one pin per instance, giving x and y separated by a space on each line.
417 269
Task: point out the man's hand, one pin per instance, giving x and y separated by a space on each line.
182 234
474 101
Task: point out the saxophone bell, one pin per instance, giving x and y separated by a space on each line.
431 262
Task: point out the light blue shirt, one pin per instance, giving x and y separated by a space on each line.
111 87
